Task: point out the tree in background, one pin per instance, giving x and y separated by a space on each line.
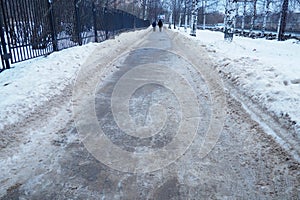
282 21
266 14
194 18
253 17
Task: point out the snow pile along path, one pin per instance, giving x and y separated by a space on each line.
32 83
29 86
268 72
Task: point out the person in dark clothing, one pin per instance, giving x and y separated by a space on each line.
154 25
160 25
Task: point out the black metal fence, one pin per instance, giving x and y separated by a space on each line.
32 28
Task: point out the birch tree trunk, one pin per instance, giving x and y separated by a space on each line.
266 14
179 23
236 14
194 18
204 13
243 17
229 19
253 17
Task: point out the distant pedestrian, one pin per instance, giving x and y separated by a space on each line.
160 25
154 25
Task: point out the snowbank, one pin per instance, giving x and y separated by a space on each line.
29 85
266 71
32 83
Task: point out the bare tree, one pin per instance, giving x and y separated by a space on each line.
186 3
266 14
243 16
282 21
204 3
174 12
144 7
236 14
194 18
229 19
253 17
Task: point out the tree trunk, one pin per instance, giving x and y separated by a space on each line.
229 19
179 23
243 18
253 16
236 15
266 14
144 9
194 18
174 13
282 21
185 22
204 14
186 15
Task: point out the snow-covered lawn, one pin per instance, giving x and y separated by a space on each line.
267 71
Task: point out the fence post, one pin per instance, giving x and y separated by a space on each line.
52 24
77 17
105 14
95 22
5 56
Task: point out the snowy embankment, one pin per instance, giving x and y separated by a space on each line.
32 83
266 71
29 85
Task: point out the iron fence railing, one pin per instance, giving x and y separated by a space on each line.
32 28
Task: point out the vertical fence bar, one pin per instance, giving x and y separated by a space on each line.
32 18
10 34
105 14
52 25
28 20
95 21
16 30
5 56
26 27
78 25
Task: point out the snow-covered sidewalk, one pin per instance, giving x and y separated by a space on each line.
266 71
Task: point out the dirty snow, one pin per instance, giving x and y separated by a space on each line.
30 84
267 71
